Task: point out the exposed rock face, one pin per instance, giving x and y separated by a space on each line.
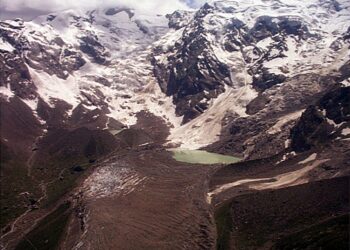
54 57
266 131
311 122
42 57
318 123
214 48
116 10
345 72
337 105
278 29
194 75
92 47
267 26
179 19
14 74
258 104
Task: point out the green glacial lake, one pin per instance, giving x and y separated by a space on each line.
201 157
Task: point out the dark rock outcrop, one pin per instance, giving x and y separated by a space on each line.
59 62
317 123
93 48
193 73
114 11
265 80
267 26
15 75
54 57
179 19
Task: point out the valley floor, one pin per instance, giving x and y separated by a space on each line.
139 197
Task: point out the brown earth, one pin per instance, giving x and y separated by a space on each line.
167 210
164 207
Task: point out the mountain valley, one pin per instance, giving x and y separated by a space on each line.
223 127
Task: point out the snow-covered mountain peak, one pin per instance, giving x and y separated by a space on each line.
96 58
246 47
223 60
122 22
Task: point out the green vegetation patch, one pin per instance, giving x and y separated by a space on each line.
14 184
64 177
331 234
223 226
48 233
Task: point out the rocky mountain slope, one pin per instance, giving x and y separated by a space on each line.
249 194
264 60
227 56
266 81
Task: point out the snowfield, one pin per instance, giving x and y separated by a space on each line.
124 84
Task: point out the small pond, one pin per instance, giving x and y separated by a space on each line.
201 157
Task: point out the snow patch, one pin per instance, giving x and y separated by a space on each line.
283 120
6 46
111 180
33 105
228 186
51 87
289 179
294 178
345 131
309 159
206 128
6 92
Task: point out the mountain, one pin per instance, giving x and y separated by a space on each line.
92 100
260 57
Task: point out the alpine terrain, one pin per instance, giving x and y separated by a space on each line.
223 127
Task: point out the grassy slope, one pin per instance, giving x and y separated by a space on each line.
223 226
260 219
47 234
14 181
328 235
